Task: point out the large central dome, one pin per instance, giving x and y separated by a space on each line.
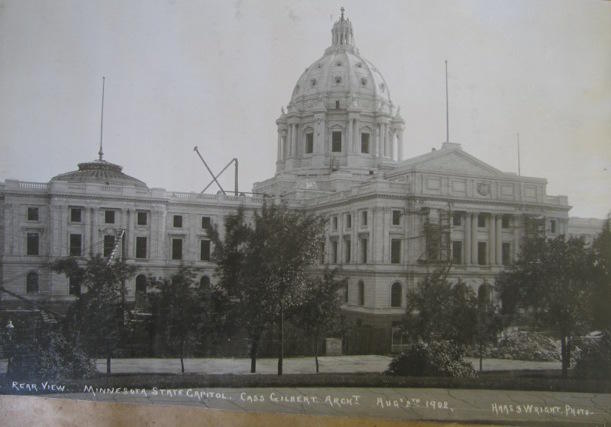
343 75
340 125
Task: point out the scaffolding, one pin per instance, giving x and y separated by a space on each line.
534 226
436 230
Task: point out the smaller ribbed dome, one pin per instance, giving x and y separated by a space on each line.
101 172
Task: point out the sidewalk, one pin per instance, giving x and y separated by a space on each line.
292 365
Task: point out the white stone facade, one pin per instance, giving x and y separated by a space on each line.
390 221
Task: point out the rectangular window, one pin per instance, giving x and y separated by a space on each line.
206 222
177 221
336 142
309 143
75 214
109 244
140 247
482 252
396 217
506 254
75 244
364 219
32 244
74 287
347 251
322 253
361 286
365 143
505 221
457 252
348 221
456 219
109 217
176 249
204 253
552 225
32 214
334 223
334 252
363 245
142 218
481 220
395 251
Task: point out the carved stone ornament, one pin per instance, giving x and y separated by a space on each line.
483 188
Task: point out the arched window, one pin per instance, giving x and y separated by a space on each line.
484 293
204 282
361 293
31 283
396 294
141 284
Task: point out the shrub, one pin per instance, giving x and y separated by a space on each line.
50 357
435 359
595 358
525 345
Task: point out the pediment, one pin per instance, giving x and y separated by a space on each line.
448 161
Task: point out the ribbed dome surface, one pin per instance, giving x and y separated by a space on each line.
99 171
341 74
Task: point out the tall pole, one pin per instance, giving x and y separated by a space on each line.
235 181
101 153
518 141
447 107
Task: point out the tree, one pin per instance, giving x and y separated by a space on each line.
264 265
438 311
552 281
96 319
489 321
601 295
177 308
232 254
320 312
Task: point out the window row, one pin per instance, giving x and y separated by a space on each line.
396 294
110 217
76 249
74 285
334 251
364 221
395 251
482 253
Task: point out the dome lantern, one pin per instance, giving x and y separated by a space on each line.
342 36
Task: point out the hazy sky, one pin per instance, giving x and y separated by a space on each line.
215 74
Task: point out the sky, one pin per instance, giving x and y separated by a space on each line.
216 73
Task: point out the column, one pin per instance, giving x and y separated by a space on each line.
516 237
94 235
376 140
295 140
356 137
474 238
400 145
499 240
279 157
131 214
348 140
491 239
467 239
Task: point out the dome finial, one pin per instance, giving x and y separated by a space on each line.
101 152
342 35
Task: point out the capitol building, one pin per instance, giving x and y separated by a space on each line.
340 144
